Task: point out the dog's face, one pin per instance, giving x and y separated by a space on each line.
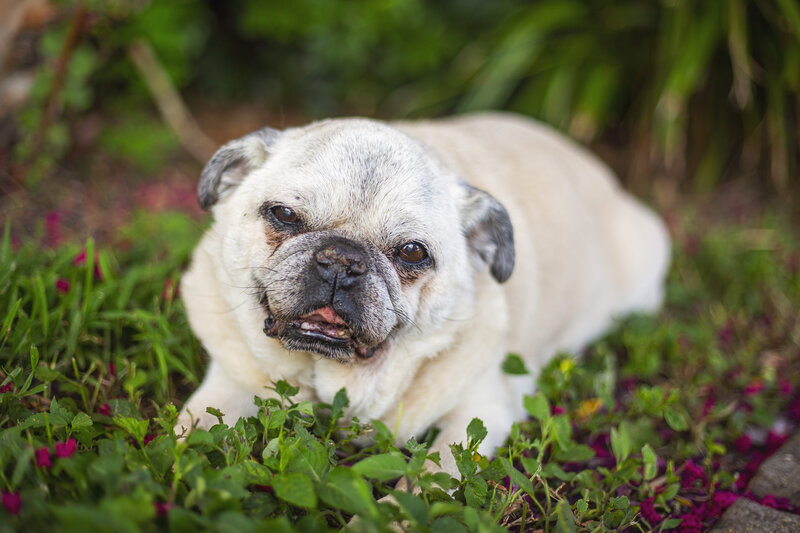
349 234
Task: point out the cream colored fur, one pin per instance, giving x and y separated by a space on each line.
586 252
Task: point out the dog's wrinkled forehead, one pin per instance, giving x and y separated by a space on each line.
355 171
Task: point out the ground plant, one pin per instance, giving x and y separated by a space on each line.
657 426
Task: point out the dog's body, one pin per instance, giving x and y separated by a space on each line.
422 341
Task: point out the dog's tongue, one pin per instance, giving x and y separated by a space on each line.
325 314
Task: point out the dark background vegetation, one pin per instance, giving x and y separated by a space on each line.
678 95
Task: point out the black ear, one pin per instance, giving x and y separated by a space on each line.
489 233
232 162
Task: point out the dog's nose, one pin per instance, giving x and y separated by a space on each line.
340 263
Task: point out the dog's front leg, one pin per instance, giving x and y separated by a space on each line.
218 390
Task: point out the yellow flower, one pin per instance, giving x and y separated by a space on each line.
588 407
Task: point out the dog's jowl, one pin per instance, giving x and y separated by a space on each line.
403 261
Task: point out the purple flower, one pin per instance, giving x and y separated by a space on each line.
11 501
43 457
8 387
557 410
66 449
104 409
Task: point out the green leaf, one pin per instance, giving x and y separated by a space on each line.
621 442
538 407
340 401
675 419
565 520
517 477
650 467
413 505
59 416
295 488
514 365
81 420
562 430
347 491
581 506
621 502
475 491
476 432
670 523
531 465
132 426
575 453
383 467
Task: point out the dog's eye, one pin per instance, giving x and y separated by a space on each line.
412 252
285 214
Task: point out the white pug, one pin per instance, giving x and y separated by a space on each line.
378 257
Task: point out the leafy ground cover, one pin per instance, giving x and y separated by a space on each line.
657 426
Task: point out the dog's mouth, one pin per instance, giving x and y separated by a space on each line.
322 331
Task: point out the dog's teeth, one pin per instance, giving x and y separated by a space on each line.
307 326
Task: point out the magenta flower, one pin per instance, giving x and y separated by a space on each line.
690 523
8 387
754 387
649 512
148 439
43 457
52 228
743 443
691 473
710 403
104 409
724 498
170 291
725 335
66 449
162 508
80 258
774 441
557 410
62 286
785 387
11 501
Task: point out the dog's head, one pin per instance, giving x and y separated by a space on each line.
348 233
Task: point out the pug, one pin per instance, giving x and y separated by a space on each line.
403 261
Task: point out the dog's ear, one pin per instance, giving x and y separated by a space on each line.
489 233
232 162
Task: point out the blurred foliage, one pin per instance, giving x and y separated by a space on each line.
692 87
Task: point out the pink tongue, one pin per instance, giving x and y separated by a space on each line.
327 314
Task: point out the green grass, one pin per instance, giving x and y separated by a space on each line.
639 433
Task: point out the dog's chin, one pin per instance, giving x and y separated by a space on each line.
323 332
308 341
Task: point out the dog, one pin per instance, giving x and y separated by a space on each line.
403 261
